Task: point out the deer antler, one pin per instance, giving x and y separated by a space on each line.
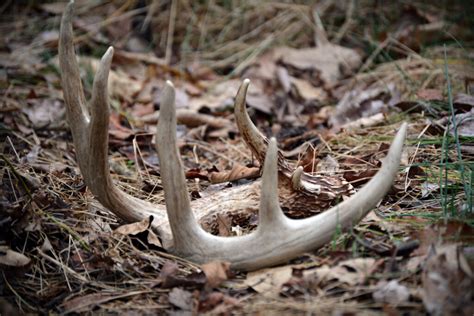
277 237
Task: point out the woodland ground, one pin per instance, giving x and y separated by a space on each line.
331 80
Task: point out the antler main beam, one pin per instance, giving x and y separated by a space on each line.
277 237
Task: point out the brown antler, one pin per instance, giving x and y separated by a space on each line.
277 237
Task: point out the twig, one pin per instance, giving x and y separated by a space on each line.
171 27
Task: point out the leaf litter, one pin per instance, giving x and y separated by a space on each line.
325 81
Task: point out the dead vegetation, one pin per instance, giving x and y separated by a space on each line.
331 81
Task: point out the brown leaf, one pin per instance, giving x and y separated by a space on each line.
195 119
216 272
152 239
464 100
268 282
328 165
448 283
358 103
465 124
359 177
221 95
196 174
307 91
169 268
430 94
140 109
45 112
134 228
12 258
121 84
54 8
391 292
84 303
217 302
238 172
224 222
117 130
181 299
170 277
332 61
260 101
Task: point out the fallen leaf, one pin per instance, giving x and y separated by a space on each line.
465 124
357 103
220 96
430 94
332 61
86 302
12 258
217 302
448 283
152 239
283 78
54 8
328 165
351 272
464 100
181 298
45 112
134 228
224 223
307 91
268 282
260 101
216 272
236 173
427 188
391 292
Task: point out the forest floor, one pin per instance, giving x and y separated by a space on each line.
332 81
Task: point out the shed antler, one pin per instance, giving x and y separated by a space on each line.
276 239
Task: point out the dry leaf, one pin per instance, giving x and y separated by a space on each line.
46 113
12 258
358 103
333 61
465 124
134 228
84 303
465 100
152 239
268 282
222 95
448 282
307 91
224 222
328 165
181 299
430 94
352 272
194 119
238 172
216 272
391 292
120 83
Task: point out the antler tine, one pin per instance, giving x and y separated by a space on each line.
352 210
253 138
296 178
270 214
98 126
70 77
183 224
